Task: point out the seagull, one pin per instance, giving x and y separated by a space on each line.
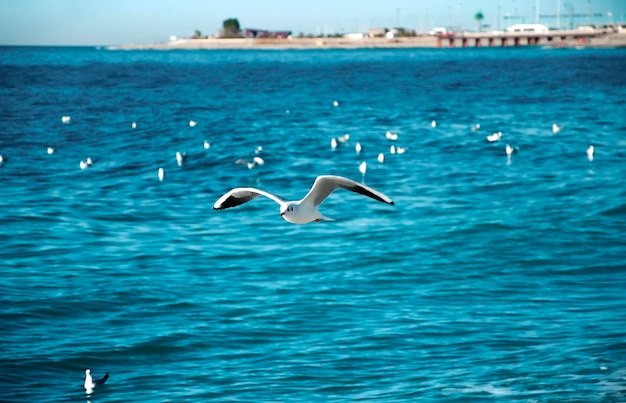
161 174
510 150
433 124
50 150
258 150
391 136
133 125
251 164
333 143
192 123
401 150
392 149
89 382
180 158
3 160
590 151
556 128
83 164
381 158
207 145
494 137
358 148
344 138
475 127
65 119
363 168
335 103
305 210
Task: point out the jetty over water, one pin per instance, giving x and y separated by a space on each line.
560 38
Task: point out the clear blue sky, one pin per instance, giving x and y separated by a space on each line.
108 22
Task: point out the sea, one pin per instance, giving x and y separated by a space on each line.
493 277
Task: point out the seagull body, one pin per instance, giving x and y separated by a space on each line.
251 164
494 137
433 124
510 150
363 168
335 103
258 150
161 174
475 127
590 152
305 210
180 158
90 384
207 145
50 150
358 148
333 143
344 138
391 136
556 128
381 158
192 123
66 119
133 125
392 149
401 150
83 164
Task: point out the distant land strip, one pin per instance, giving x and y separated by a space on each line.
557 39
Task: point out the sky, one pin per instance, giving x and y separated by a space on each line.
116 22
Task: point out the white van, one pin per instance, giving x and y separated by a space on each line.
527 28
438 31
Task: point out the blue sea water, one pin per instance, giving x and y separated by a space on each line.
491 279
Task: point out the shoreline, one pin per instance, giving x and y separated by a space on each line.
564 39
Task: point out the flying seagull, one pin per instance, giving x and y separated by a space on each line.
305 210
90 383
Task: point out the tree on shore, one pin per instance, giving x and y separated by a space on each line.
197 34
231 28
479 18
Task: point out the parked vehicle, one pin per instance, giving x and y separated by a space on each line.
528 28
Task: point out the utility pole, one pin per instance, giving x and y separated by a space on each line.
537 12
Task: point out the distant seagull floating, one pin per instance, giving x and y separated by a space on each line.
494 137
401 150
392 149
475 127
161 174
391 136
381 158
50 150
363 168
83 164
344 138
433 124
258 150
358 148
335 103
207 145
3 160
590 152
556 128
89 161
180 158
510 150
250 164
133 125
192 123
65 119
333 143
90 384
305 210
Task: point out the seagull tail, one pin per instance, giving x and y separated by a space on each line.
324 218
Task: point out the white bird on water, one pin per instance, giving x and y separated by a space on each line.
192 123
358 148
207 145
333 143
556 128
50 150
133 125
391 136
90 384
381 158
344 138
66 119
363 168
590 152
305 210
161 174
494 137
250 164
433 124
180 158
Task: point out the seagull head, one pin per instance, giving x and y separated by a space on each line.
286 210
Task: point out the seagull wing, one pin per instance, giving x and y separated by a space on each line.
326 184
240 196
103 380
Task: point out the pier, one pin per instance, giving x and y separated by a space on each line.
522 38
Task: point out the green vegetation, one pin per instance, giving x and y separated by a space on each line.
231 28
479 17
